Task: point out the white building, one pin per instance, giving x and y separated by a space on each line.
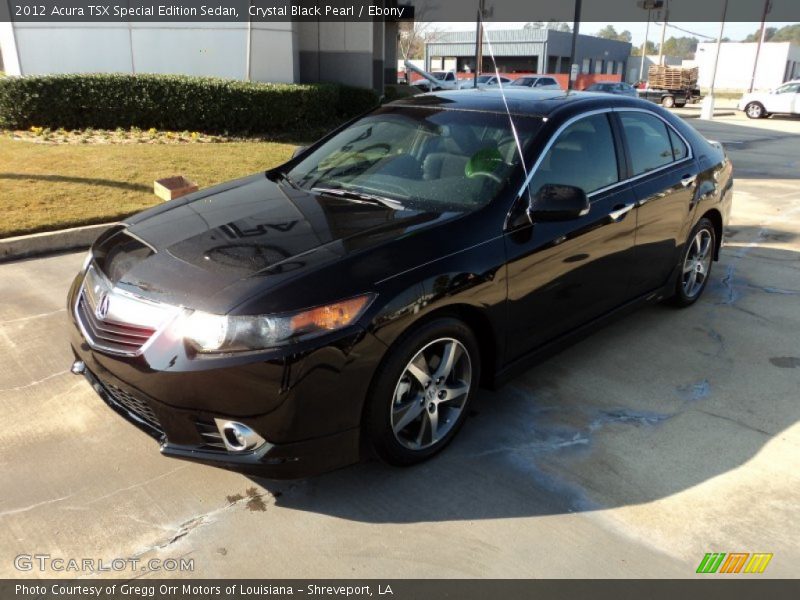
356 53
777 62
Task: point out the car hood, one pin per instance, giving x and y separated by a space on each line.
214 249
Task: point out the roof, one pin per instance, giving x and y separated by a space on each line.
521 102
516 42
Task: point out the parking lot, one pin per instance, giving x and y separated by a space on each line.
659 438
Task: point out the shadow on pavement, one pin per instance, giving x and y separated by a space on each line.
645 408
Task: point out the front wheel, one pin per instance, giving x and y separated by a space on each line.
420 395
668 101
698 255
755 110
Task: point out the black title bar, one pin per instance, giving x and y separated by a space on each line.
70 11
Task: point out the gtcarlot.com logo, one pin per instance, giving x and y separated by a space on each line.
734 562
45 562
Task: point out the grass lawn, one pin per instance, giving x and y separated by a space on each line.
45 187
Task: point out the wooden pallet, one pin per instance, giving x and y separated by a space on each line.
672 78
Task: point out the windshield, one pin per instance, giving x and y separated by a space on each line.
423 158
522 81
484 78
439 74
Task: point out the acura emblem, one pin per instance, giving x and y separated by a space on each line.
102 307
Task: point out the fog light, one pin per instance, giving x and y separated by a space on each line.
238 437
78 367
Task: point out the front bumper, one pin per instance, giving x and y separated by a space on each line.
306 403
277 461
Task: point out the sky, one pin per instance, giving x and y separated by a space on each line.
735 31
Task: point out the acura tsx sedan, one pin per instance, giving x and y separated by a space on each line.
352 300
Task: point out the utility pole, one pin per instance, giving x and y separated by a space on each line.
644 46
707 110
649 6
478 44
663 33
761 36
576 26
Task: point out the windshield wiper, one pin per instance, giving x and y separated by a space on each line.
362 197
285 177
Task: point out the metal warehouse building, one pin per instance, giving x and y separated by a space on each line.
358 53
527 50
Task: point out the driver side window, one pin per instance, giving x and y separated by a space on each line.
583 155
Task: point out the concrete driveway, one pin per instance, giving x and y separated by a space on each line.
660 438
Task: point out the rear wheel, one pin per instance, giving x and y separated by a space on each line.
755 110
668 101
698 255
420 395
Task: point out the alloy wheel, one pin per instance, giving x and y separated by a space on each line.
697 263
754 111
431 393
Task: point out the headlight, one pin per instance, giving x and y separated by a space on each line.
208 332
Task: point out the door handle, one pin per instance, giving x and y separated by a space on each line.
620 211
688 180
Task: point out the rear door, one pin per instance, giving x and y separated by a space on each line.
563 274
663 178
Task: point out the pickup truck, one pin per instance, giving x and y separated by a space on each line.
667 98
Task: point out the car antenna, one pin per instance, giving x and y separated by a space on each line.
505 101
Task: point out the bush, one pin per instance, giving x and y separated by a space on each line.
175 102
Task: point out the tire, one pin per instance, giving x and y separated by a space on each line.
696 261
401 412
680 104
755 110
668 101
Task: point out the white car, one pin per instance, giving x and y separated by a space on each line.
537 82
484 81
784 99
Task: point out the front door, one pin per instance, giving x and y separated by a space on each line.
784 100
563 274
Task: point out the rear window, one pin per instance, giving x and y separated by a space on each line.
648 141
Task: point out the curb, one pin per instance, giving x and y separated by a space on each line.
36 244
716 114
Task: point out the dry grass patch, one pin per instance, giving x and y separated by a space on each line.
48 186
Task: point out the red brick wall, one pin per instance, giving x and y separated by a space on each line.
584 79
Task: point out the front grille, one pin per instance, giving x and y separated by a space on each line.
110 335
212 438
136 407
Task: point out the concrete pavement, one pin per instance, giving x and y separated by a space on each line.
660 438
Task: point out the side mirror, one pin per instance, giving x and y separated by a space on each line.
558 203
299 150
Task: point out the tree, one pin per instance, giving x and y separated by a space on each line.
554 25
412 37
651 49
610 33
788 33
756 35
682 47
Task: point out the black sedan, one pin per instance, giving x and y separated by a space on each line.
613 87
352 300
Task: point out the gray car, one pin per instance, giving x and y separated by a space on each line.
613 87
